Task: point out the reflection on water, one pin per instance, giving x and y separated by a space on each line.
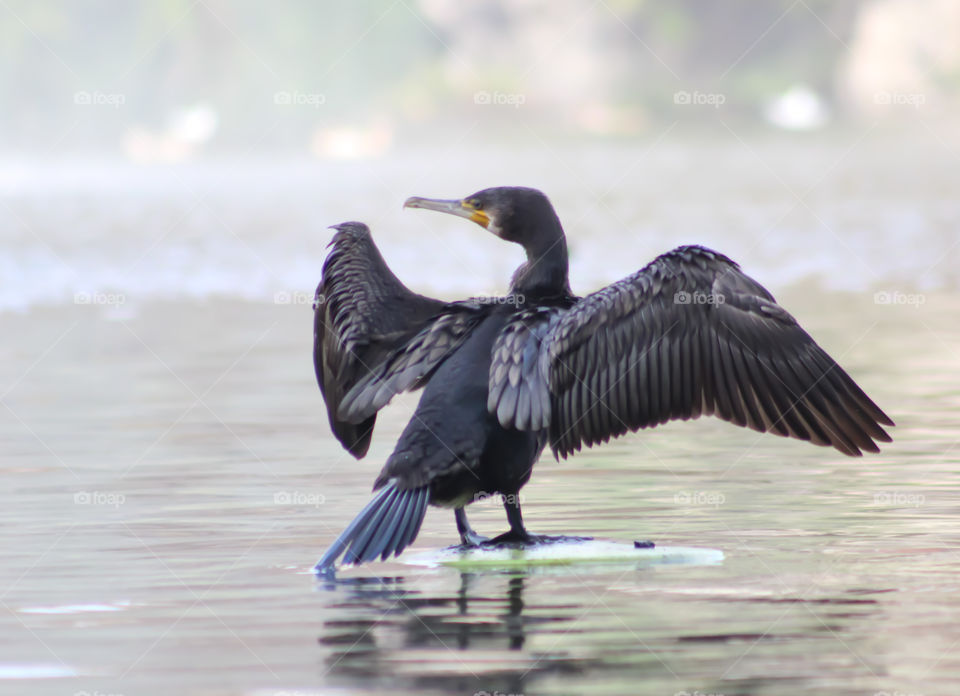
464 620
516 633
170 478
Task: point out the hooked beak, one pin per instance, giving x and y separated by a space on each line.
460 208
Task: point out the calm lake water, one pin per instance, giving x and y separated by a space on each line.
170 478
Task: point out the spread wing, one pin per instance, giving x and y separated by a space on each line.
411 364
362 315
519 392
692 335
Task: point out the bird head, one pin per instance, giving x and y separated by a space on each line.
513 213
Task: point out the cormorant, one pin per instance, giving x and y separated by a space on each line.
687 335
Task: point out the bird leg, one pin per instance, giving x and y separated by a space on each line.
468 537
518 534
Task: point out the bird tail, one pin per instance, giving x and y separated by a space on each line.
386 526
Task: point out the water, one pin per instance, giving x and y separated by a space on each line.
170 479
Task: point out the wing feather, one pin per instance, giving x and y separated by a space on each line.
362 314
691 335
518 392
411 365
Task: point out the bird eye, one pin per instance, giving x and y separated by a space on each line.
476 204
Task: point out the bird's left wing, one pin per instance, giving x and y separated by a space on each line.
412 363
363 313
690 335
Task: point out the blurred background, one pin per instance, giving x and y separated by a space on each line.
168 173
178 79
823 133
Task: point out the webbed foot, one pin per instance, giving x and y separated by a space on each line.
472 540
469 539
525 538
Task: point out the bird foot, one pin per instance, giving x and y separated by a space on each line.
513 539
471 540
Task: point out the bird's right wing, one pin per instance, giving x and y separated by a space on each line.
363 314
691 334
519 390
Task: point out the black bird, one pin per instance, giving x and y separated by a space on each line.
687 335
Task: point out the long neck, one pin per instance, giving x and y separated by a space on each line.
545 273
